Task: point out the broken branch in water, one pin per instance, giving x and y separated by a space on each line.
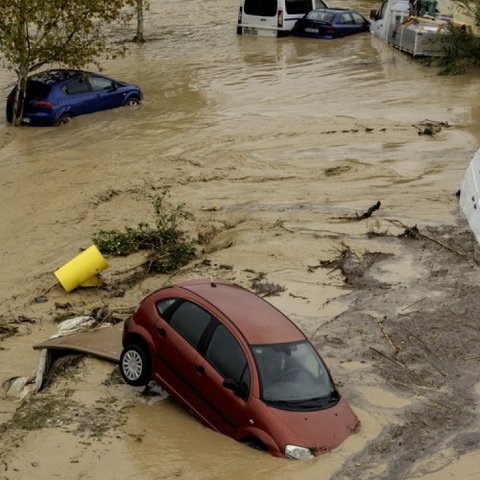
367 129
428 350
412 386
369 212
440 404
395 348
430 127
378 352
472 357
275 291
462 254
364 215
413 232
281 224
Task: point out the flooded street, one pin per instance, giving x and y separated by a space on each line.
270 144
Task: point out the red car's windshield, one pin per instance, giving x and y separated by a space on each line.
292 375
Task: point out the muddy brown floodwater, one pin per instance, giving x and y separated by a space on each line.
273 146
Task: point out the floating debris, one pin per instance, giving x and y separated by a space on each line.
431 127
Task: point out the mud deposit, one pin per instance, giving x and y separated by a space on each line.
277 148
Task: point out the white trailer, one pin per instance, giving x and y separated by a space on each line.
415 26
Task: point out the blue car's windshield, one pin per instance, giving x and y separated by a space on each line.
293 375
320 16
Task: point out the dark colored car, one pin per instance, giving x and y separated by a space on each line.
238 364
330 23
54 97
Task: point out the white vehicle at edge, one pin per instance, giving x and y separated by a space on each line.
470 195
272 18
384 22
416 27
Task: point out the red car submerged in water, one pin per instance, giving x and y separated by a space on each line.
240 365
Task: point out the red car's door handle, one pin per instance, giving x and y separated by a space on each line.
162 332
200 369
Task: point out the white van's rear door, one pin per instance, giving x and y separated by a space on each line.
259 17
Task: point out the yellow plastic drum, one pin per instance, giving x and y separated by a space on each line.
82 270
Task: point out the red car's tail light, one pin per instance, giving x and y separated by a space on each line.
42 104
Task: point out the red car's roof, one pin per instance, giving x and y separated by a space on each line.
257 320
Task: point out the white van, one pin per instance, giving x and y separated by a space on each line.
273 18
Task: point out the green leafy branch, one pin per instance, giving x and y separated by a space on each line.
166 243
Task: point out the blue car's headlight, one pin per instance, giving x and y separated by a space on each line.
298 453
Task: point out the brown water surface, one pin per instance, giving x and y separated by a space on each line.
248 132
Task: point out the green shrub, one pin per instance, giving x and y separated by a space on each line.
461 49
166 243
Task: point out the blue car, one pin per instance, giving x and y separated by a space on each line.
54 97
330 23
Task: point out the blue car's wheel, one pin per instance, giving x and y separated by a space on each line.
132 101
65 119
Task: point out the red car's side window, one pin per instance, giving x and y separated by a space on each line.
164 305
227 357
190 321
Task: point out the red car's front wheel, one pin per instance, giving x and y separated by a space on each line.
135 365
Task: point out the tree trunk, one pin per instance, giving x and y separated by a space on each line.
139 35
23 67
20 96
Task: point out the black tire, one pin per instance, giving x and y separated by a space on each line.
135 365
65 119
255 443
132 102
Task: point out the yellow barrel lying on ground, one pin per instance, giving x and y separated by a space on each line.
83 270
